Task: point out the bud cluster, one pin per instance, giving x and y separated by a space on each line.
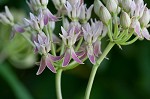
125 15
6 17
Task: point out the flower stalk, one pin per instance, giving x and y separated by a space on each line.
58 84
94 69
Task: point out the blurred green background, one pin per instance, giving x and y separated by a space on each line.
126 75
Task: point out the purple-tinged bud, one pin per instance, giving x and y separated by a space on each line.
42 43
73 10
125 20
126 5
144 20
37 23
104 15
18 28
48 16
135 24
97 5
111 6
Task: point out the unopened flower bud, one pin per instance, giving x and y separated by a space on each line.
139 1
63 2
6 17
65 23
41 2
38 2
112 6
126 5
144 20
52 25
104 15
56 2
85 13
8 14
72 2
125 20
97 5
44 2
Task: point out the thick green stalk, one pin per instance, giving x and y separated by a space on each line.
94 69
17 87
58 84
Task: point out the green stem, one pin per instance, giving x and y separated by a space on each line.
94 69
79 44
62 49
128 37
130 42
90 83
115 26
27 38
51 38
17 87
110 31
58 84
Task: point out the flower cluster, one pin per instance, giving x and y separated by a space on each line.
80 36
120 22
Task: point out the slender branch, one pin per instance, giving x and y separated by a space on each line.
90 83
58 84
116 33
110 31
130 42
79 43
94 69
27 38
51 38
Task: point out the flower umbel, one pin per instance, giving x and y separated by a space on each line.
91 34
69 38
43 46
